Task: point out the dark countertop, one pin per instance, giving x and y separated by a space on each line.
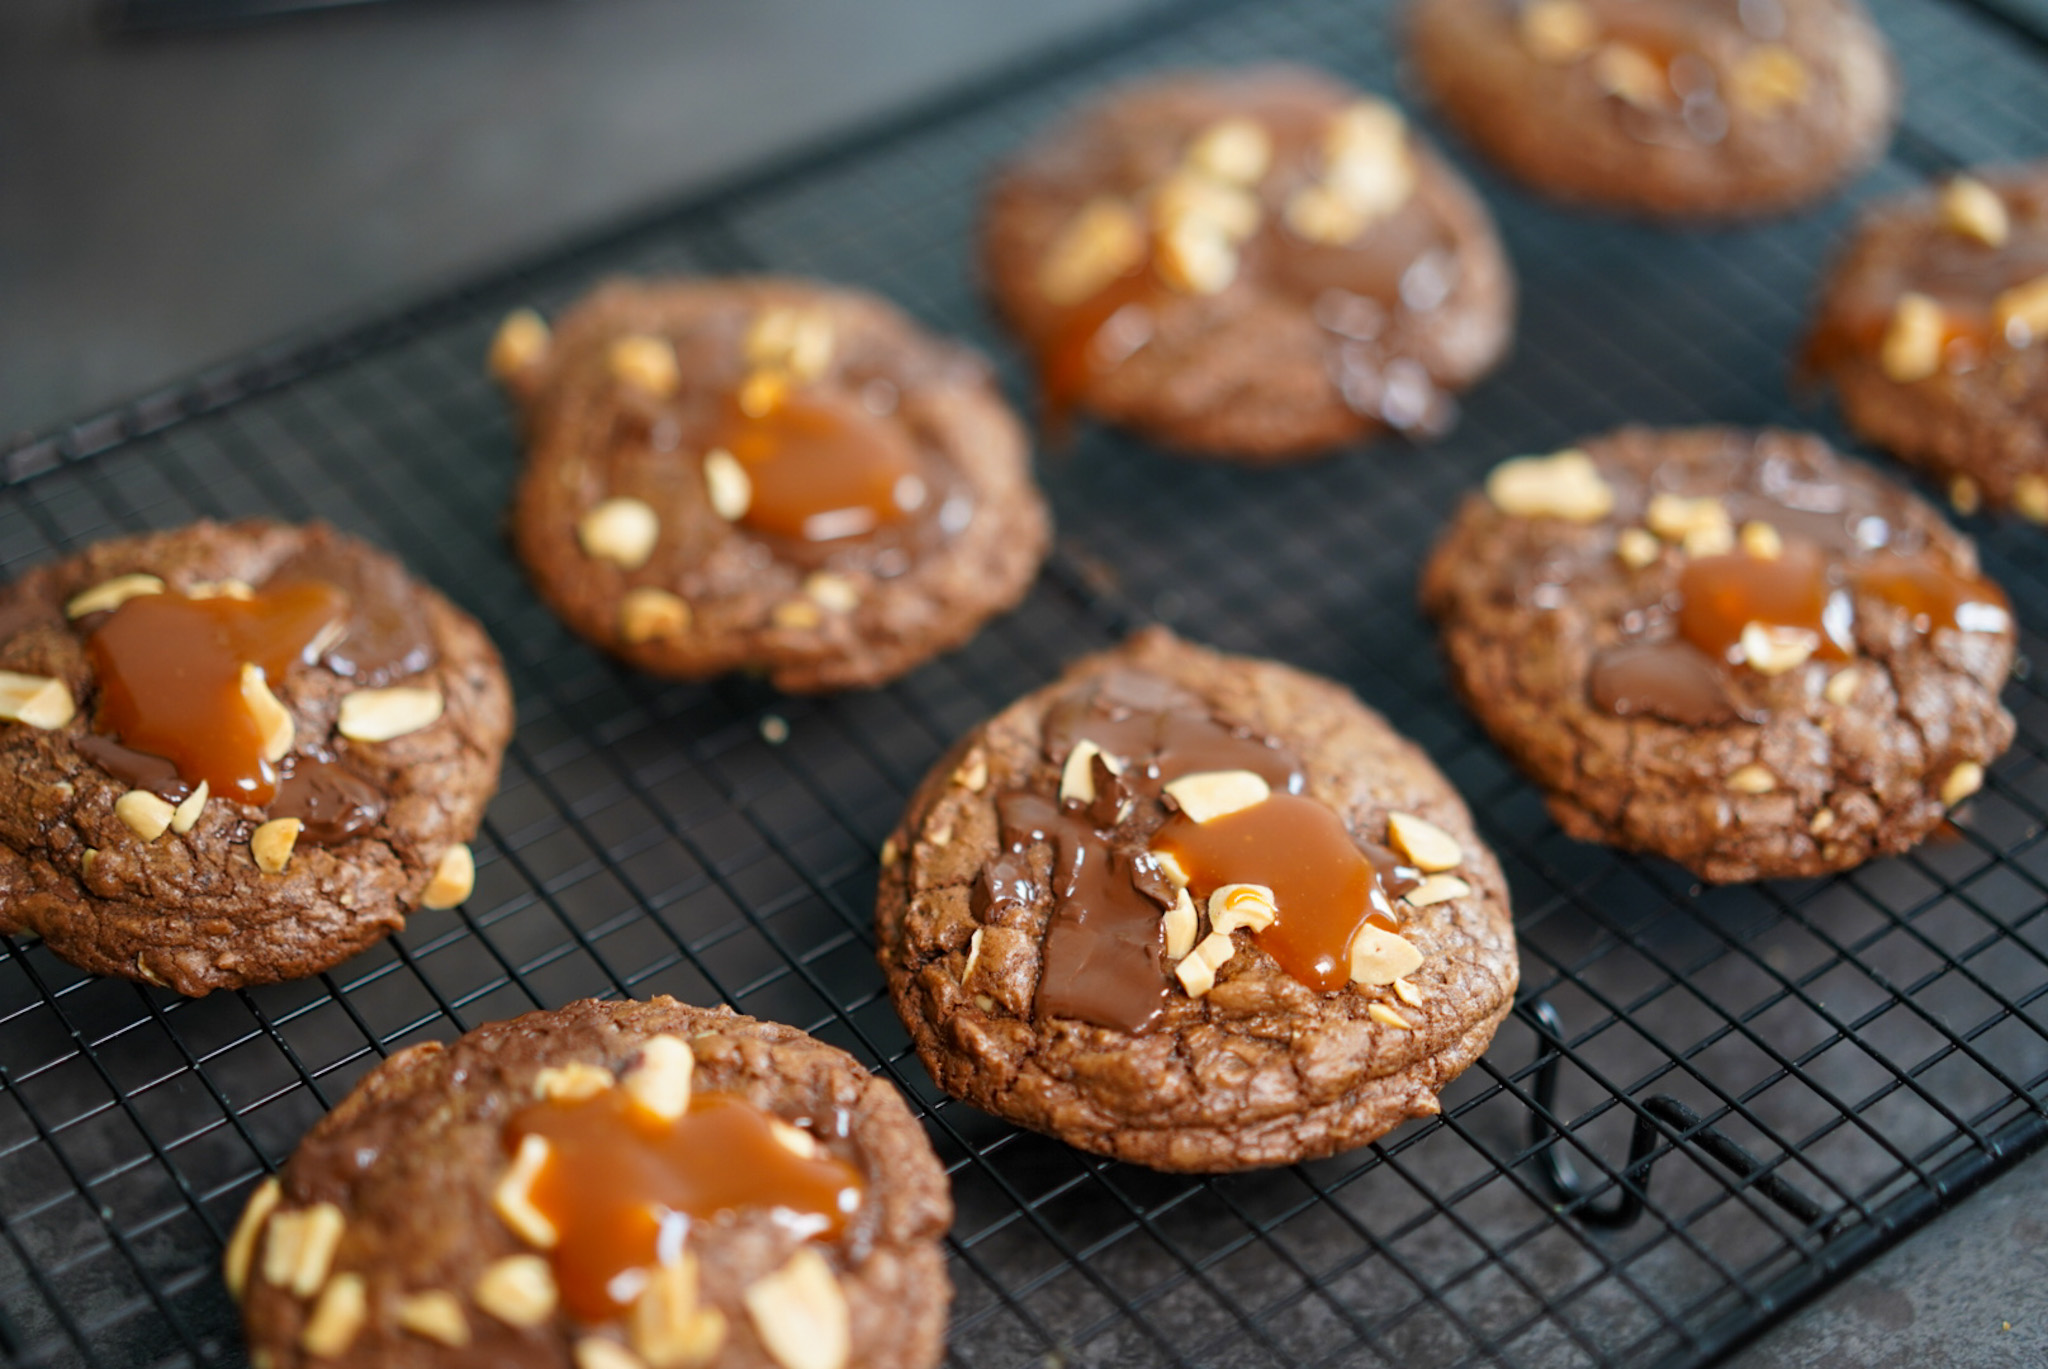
166 203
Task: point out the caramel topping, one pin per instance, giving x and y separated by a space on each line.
1724 594
1323 886
1933 595
1674 681
622 1186
1082 345
170 673
822 468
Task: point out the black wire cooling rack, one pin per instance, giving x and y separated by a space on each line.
1710 1105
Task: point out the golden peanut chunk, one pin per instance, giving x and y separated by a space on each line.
797 615
646 364
1387 1017
1768 80
1753 779
2030 498
972 773
1638 548
518 1290
520 342
1973 209
1366 160
1235 150
1911 349
186 815
1966 779
1770 650
299 1248
272 843
800 1314
1964 496
1631 75
37 700
337 1318
833 593
660 1080
2021 313
434 1315
1428 847
1408 993
1171 868
1077 775
273 719
512 1199
795 340
1205 204
973 956
889 854
1181 923
220 589
1105 240
647 614
454 878
143 813
667 1327
1233 906
622 531
382 715
762 393
1379 956
727 485
1563 485
1436 889
1701 525
109 595
1823 822
234 1261
1196 258
595 1352
1211 794
1197 971
1559 32
793 1139
1841 686
573 1082
1762 541
1316 213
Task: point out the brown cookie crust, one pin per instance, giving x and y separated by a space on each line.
1524 604
1986 423
1553 124
1262 1071
1252 373
193 912
420 1218
589 439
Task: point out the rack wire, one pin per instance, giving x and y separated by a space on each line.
1710 1104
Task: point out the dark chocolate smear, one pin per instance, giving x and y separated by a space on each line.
388 635
136 769
1396 875
1161 732
334 803
1672 680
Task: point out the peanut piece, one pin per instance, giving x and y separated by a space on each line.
273 719
1563 485
1762 541
1241 905
2030 497
796 615
299 1248
1911 349
37 700
1105 240
660 1081
2022 312
973 956
1964 496
833 593
1753 779
1427 845
1181 923
1379 956
595 1352
1974 210
234 1262
1211 794
1171 868
1077 775
521 341
647 364
518 1290
1236 151
1387 1017
1631 75
186 815
220 589
1436 889
573 1082
622 531
272 843
434 1315
647 614
972 774
1408 993
1700 525
1558 32
727 484
1966 779
1638 548
1195 258
111 594
339 1315
798 341
800 1314
1205 204
454 878
1770 650
1366 160
1768 79
382 715
762 393
1841 686
1316 213
666 1326
512 1199
144 813
1823 822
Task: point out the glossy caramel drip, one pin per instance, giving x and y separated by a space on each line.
1933 595
1723 594
622 1186
1323 886
823 468
1080 347
170 673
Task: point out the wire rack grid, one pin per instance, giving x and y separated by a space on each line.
1710 1105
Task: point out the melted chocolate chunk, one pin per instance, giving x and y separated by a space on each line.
388 635
1396 875
1672 680
136 769
1161 732
334 803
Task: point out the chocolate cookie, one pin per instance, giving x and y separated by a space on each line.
609 1186
1257 265
1195 911
1735 649
766 474
1934 330
237 753
1682 108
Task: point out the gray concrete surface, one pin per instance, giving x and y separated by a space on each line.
167 203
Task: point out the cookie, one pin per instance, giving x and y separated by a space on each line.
609 1186
1258 265
1733 649
237 753
1697 109
769 475
1933 328
1194 911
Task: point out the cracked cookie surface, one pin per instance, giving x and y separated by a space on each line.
417 1175
1234 1065
772 474
1732 648
97 855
